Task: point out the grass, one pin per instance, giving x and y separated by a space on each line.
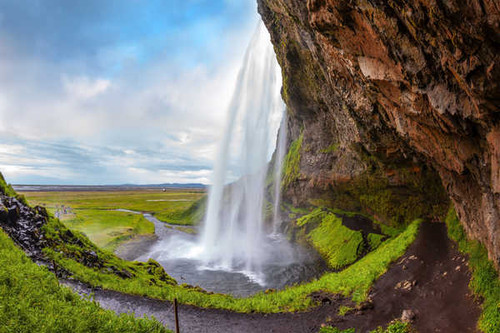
95 215
31 300
107 229
343 310
394 327
190 216
374 240
355 281
339 245
485 282
73 247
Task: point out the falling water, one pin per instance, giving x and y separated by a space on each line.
278 167
233 234
239 251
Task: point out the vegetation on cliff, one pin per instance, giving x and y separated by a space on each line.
485 282
395 196
291 163
339 245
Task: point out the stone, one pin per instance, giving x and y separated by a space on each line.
408 316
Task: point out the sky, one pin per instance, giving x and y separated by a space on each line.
117 91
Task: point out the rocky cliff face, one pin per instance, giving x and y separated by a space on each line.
388 100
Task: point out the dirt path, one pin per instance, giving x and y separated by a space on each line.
430 279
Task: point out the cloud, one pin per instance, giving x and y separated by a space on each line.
84 88
99 93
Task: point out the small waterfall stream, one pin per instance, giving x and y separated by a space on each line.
277 172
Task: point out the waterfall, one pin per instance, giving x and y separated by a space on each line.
278 168
234 235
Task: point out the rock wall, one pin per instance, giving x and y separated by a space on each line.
387 97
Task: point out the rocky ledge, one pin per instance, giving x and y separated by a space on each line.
389 99
24 225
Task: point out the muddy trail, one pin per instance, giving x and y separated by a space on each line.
430 280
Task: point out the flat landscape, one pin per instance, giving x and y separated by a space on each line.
103 217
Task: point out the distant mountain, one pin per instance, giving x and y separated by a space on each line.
121 187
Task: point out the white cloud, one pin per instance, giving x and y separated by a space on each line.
82 87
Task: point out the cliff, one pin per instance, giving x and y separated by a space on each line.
393 107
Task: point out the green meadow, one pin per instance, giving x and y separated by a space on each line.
94 212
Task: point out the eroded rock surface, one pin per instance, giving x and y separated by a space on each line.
23 224
392 96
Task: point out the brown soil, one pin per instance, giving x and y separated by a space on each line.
430 279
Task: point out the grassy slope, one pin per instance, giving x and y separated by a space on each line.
31 300
485 282
354 281
339 245
107 229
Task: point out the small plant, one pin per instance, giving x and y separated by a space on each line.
395 326
343 310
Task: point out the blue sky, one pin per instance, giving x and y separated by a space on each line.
117 91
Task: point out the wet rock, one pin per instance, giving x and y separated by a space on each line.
408 316
406 285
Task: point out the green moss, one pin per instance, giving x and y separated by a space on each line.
330 149
416 193
316 216
339 245
291 163
485 282
374 240
31 300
